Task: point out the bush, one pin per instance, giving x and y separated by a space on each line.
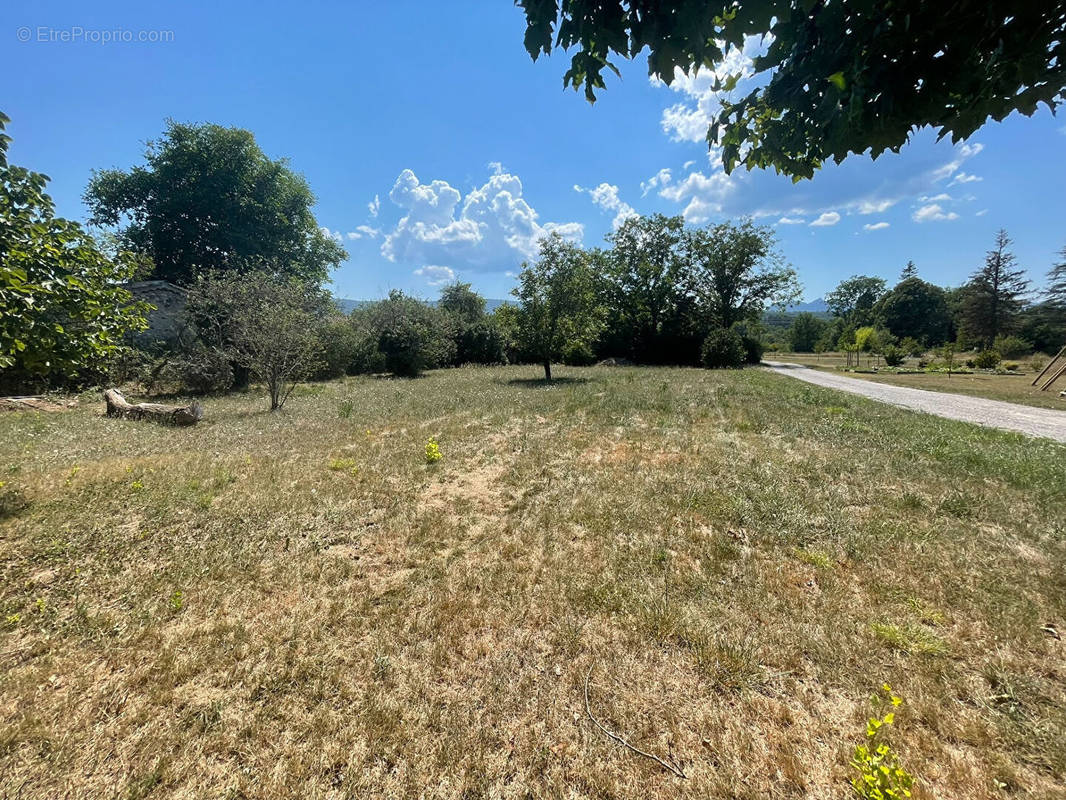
481 342
578 354
339 342
986 359
911 347
723 349
203 370
1012 347
753 349
893 355
411 335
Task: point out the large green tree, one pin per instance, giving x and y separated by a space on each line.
916 309
558 302
209 199
994 295
736 272
63 312
805 332
836 76
1055 293
854 298
645 287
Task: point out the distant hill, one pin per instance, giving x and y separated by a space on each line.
818 306
347 305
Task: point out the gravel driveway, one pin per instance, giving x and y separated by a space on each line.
1044 422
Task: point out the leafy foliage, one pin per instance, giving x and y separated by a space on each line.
994 296
723 349
558 302
916 309
881 776
805 332
209 199
270 326
411 335
853 300
737 272
833 78
63 312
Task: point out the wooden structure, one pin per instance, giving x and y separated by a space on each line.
1056 367
153 412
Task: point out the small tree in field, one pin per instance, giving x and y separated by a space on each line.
270 326
557 302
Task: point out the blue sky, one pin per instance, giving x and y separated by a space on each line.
468 151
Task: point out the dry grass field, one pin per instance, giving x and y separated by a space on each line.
298 605
1006 387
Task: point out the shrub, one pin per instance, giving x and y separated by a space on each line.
412 336
893 355
1012 347
911 346
339 342
881 776
203 370
481 342
753 349
986 359
578 354
1010 366
723 349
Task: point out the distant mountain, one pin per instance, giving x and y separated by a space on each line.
347 306
818 306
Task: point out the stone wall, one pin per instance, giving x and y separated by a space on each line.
166 321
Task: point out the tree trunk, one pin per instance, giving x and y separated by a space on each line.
153 412
547 370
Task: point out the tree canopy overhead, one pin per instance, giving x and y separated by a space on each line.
836 76
209 199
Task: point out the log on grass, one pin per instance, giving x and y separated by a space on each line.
153 412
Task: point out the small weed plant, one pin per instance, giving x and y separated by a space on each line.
881 776
433 453
344 465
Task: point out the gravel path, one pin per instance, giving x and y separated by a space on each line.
1045 422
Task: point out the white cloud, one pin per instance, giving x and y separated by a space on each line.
791 221
496 168
688 120
658 180
826 219
606 197
336 236
962 152
936 198
362 231
374 206
876 226
964 177
436 275
933 213
878 206
981 213
704 194
492 228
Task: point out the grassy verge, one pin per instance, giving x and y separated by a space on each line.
297 605
1006 387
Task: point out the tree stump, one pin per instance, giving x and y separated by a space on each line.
153 412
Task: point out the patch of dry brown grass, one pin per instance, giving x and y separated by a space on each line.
216 612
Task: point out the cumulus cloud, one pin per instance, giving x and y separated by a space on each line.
363 231
933 213
876 226
791 221
436 275
656 181
688 120
704 195
965 177
336 236
606 197
493 227
826 219
374 206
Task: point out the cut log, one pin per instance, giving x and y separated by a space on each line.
154 412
